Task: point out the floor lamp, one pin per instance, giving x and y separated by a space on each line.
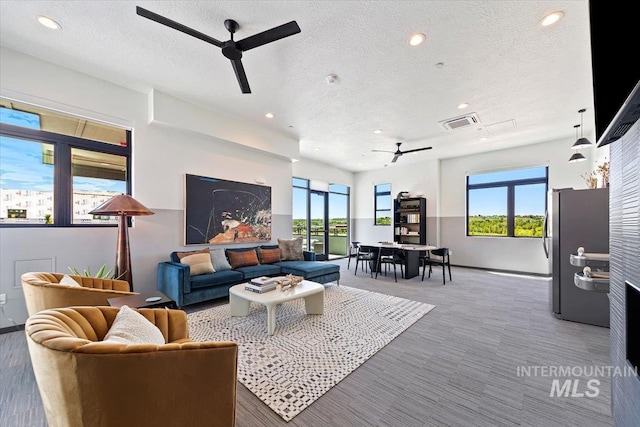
123 206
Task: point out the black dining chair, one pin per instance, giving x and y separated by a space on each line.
353 250
365 257
393 256
439 256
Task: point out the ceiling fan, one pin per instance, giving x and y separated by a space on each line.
230 49
399 153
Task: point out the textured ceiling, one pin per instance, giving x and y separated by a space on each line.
525 82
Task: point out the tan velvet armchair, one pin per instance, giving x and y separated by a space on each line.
86 382
43 291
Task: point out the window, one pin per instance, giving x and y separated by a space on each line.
382 204
56 168
507 203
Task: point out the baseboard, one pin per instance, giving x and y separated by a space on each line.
9 329
497 270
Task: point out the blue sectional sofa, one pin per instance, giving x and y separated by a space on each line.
175 280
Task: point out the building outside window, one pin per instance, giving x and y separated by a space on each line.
382 204
507 203
56 168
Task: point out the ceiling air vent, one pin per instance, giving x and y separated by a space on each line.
460 122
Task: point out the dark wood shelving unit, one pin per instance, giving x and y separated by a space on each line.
410 220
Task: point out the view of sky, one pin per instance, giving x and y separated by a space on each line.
21 161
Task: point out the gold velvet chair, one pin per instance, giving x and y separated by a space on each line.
43 291
86 382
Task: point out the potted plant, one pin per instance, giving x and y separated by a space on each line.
102 273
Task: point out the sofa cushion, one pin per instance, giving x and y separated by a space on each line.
253 271
308 269
219 260
242 258
269 256
291 249
218 278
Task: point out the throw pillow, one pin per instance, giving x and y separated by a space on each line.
291 249
199 263
69 281
269 256
219 260
181 255
131 327
246 258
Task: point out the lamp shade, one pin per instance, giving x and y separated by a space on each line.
577 157
581 143
122 204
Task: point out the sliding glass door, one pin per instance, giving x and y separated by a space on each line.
321 218
318 230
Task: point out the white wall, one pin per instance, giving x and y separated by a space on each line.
421 177
517 254
162 155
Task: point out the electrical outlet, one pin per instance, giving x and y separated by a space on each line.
3 299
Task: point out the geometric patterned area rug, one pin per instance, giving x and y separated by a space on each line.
307 354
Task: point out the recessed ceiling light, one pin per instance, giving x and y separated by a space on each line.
317 149
48 22
417 39
463 105
269 115
484 138
377 131
551 18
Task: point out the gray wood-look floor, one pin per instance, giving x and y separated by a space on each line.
457 366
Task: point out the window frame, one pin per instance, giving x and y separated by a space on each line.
62 172
510 186
377 193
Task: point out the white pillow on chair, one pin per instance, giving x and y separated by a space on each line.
131 327
69 281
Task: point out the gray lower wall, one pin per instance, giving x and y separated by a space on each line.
151 240
624 243
364 231
500 253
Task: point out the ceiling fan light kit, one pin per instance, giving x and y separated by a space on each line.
231 49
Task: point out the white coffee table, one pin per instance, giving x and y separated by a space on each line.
312 292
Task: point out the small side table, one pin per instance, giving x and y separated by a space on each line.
140 301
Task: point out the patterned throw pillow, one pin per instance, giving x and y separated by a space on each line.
269 256
246 258
199 261
291 249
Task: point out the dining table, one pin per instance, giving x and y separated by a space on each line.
410 253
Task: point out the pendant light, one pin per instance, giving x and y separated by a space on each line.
576 157
582 141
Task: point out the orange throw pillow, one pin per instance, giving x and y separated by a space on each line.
269 256
239 259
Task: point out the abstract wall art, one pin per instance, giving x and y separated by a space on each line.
218 211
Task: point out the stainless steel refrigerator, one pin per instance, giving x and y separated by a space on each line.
576 218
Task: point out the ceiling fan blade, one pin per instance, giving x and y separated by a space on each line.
176 26
383 151
241 76
395 158
417 149
276 33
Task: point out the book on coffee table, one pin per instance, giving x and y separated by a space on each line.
264 280
259 289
